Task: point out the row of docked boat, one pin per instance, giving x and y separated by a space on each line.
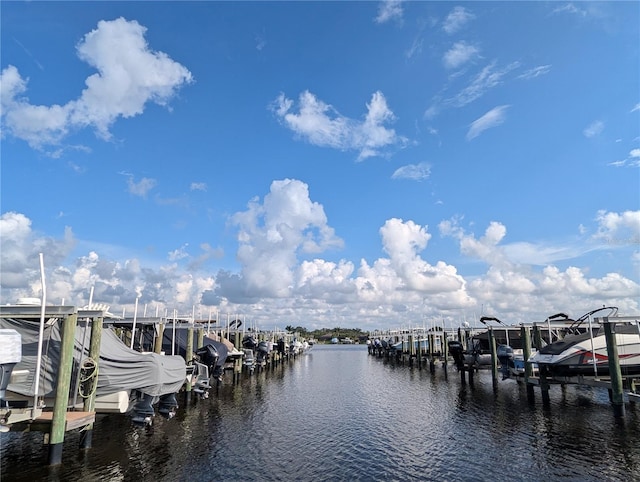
138 367
566 347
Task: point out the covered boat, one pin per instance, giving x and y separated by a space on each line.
121 372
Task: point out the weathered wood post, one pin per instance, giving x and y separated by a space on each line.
432 352
544 384
237 364
526 353
86 436
411 349
189 354
494 358
157 348
445 352
59 420
200 341
617 396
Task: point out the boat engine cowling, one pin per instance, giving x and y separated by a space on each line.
456 350
167 405
208 355
505 354
262 352
249 342
142 411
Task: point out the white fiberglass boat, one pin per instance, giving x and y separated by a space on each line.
586 353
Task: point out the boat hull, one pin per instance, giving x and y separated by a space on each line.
584 355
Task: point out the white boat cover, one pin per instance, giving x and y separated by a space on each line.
119 368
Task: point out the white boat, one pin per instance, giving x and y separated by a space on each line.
586 353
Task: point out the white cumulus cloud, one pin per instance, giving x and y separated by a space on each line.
322 125
129 75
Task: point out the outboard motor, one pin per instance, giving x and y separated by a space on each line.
142 411
505 355
249 359
208 356
262 352
456 350
202 381
249 342
167 405
281 347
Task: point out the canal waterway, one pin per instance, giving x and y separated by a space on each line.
337 413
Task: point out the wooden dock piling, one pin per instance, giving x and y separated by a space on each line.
157 348
617 395
544 383
494 358
59 417
200 339
189 354
526 354
432 363
86 437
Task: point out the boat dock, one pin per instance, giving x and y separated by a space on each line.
59 350
420 348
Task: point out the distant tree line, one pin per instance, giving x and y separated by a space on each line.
325 334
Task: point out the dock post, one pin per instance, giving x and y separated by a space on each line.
526 353
544 384
189 355
237 365
411 350
617 395
200 338
157 348
445 353
86 436
432 363
63 384
494 358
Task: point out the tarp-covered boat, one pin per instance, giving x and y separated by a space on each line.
120 368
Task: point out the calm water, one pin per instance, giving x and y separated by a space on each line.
337 413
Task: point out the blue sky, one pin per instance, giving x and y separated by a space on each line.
353 164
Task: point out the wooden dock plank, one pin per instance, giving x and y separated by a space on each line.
74 420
